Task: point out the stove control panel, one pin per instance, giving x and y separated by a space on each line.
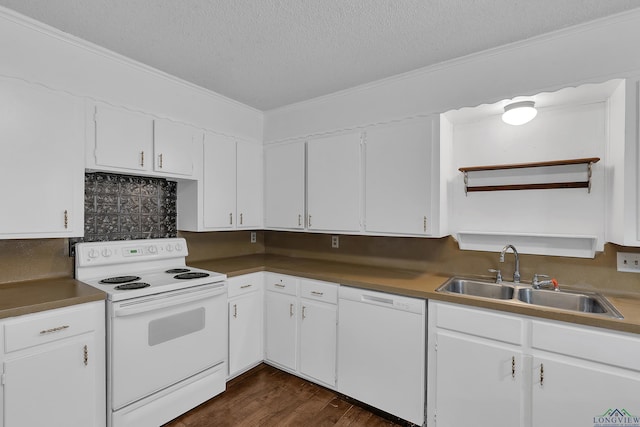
96 253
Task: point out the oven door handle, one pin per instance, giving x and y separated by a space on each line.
158 303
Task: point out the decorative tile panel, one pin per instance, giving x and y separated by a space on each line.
124 207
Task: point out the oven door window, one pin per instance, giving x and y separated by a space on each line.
155 344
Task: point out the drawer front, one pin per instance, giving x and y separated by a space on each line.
41 328
320 291
613 348
479 322
244 284
281 283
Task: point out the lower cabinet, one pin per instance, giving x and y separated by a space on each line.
53 368
246 303
301 326
489 368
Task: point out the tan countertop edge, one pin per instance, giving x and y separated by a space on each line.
19 298
416 284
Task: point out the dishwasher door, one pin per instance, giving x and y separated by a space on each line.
382 351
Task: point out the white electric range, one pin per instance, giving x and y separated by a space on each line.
166 328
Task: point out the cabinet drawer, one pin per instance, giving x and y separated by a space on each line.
617 349
479 322
41 328
244 284
320 291
281 283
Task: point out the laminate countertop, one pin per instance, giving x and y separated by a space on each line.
417 284
19 298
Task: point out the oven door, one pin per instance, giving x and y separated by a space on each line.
159 340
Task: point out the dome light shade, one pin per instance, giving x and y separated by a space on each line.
519 113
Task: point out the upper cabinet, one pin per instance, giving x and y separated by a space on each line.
228 195
334 183
41 166
402 176
284 186
121 140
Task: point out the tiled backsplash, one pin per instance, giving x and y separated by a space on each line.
123 207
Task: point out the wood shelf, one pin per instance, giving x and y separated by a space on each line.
532 186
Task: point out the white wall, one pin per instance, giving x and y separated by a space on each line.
592 52
37 53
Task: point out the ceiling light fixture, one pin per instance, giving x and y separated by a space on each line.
519 113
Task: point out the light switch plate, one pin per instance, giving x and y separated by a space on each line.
629 262
335 241
253 237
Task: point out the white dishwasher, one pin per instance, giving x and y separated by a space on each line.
382 351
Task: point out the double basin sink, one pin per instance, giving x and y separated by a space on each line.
582 302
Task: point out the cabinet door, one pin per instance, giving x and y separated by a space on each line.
173 145
281 329
219 188
398 178
53 387
574 393
318 339
123 139
284 186
333 183
245 332
249 185
42 162
478 382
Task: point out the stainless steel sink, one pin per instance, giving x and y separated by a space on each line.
477 288
584 302
581 302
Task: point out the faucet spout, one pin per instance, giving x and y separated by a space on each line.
516 273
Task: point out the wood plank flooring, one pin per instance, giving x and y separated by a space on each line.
266 396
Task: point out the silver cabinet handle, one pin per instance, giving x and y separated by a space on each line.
513 366
245 286
290 310
235 310
231 218
52 330
303 312
541 374
142 158
240 219
309 220
160 160
317 293
86 355
424 223
66 219
299 220
278 285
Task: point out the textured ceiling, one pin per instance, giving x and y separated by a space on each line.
270 53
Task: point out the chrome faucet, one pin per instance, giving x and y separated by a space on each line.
516 273
536 283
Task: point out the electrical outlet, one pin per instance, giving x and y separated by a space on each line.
629 262
253 237
335 241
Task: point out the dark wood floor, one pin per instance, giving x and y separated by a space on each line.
266 396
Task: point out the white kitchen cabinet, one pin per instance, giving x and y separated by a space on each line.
54 368
229 196
489 368
402 176
334 183
281 325
475 367
120 140
284 186
41 166
318 330
246 303
578 379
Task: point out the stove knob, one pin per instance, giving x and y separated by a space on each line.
153 249
169 248
93 253
178 247
106 252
